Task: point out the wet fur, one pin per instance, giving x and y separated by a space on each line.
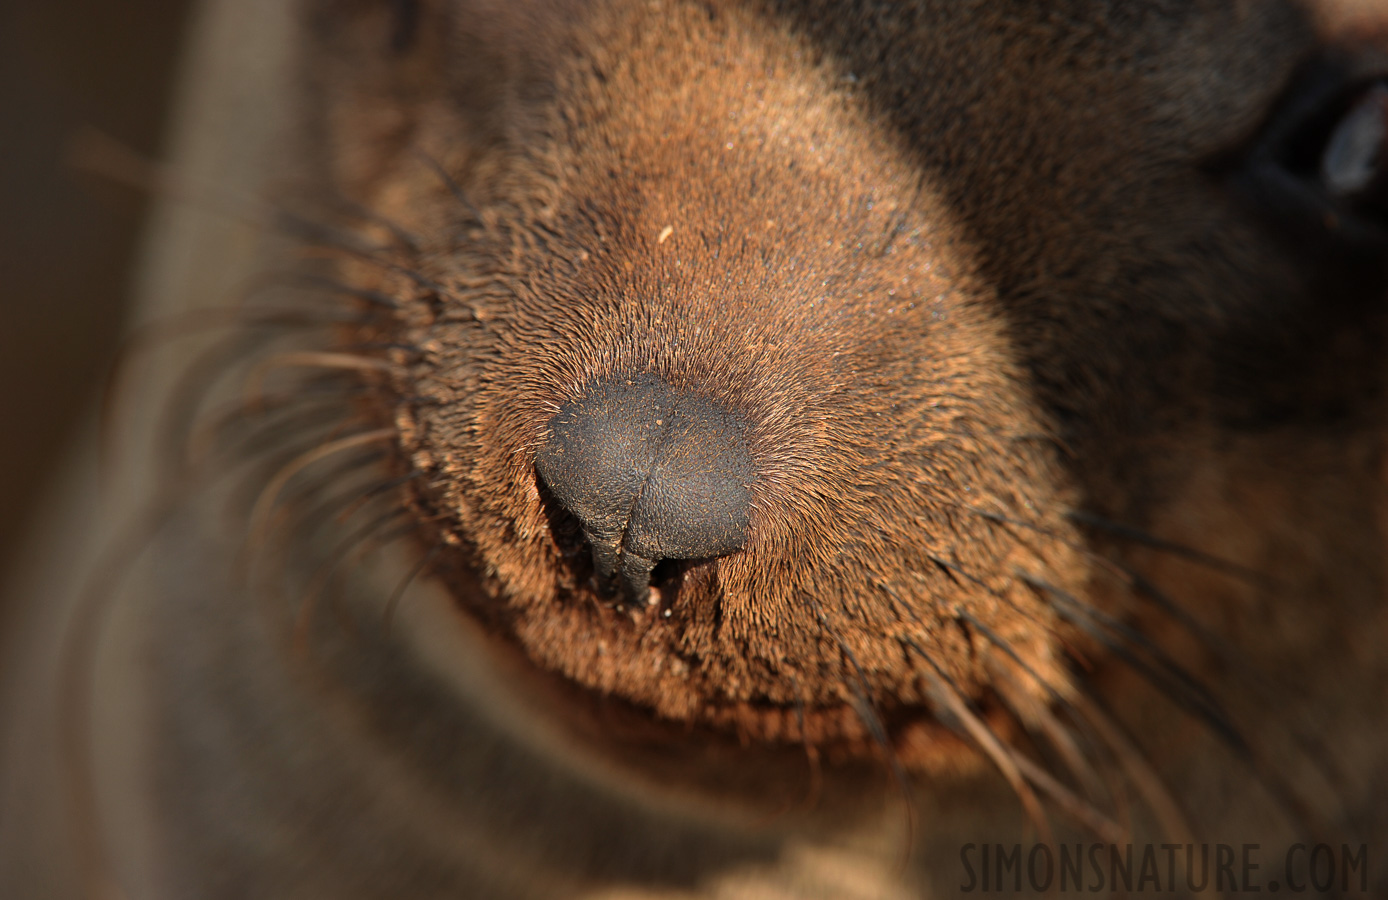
1068 450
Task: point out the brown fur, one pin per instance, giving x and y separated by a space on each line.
904 276
1068 448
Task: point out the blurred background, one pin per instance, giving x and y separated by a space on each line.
67 239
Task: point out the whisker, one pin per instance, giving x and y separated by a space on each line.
165 329
1162 673
313 396
332 490
957 571
1058 736
816 785
452 184
305 505
252 387
1060 739
1138 536
189 395
1142 589
1081 811
1243 673
317 233
334 286
99 154
265 503
375 491
373 257
1187 694
1140 773
407 241
947 696
392 601
81 639
312 423
1096 780
868 715
79 647
356 544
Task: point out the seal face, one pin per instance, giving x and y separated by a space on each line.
823 371
714 412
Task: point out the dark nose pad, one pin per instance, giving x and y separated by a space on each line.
652 474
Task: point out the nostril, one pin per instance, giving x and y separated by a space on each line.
668 572
652 473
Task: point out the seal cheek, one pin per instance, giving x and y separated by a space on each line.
651 473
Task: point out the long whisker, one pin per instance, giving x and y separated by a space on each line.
1096 780
252 388
316 495
1245 674
948 700
812 793
253 324
1138 536
1059 737
1142 588
452 184
316 281
1038 717
392 601
1140 773
356 544
376 490
1081 811
99 154
406 241
373 257
78 652
1077 808
334 490
265 503
1186 693
192 389
1144 779
868 715
1162 672
269 410
80 642
956 571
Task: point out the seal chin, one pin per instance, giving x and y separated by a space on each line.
651 473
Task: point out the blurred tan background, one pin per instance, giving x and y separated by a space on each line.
67 239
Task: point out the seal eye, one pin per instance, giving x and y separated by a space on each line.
1354 165
1320 162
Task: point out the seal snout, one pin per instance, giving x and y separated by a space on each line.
652 473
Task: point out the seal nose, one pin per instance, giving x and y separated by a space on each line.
652 474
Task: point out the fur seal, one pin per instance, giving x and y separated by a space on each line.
834 405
